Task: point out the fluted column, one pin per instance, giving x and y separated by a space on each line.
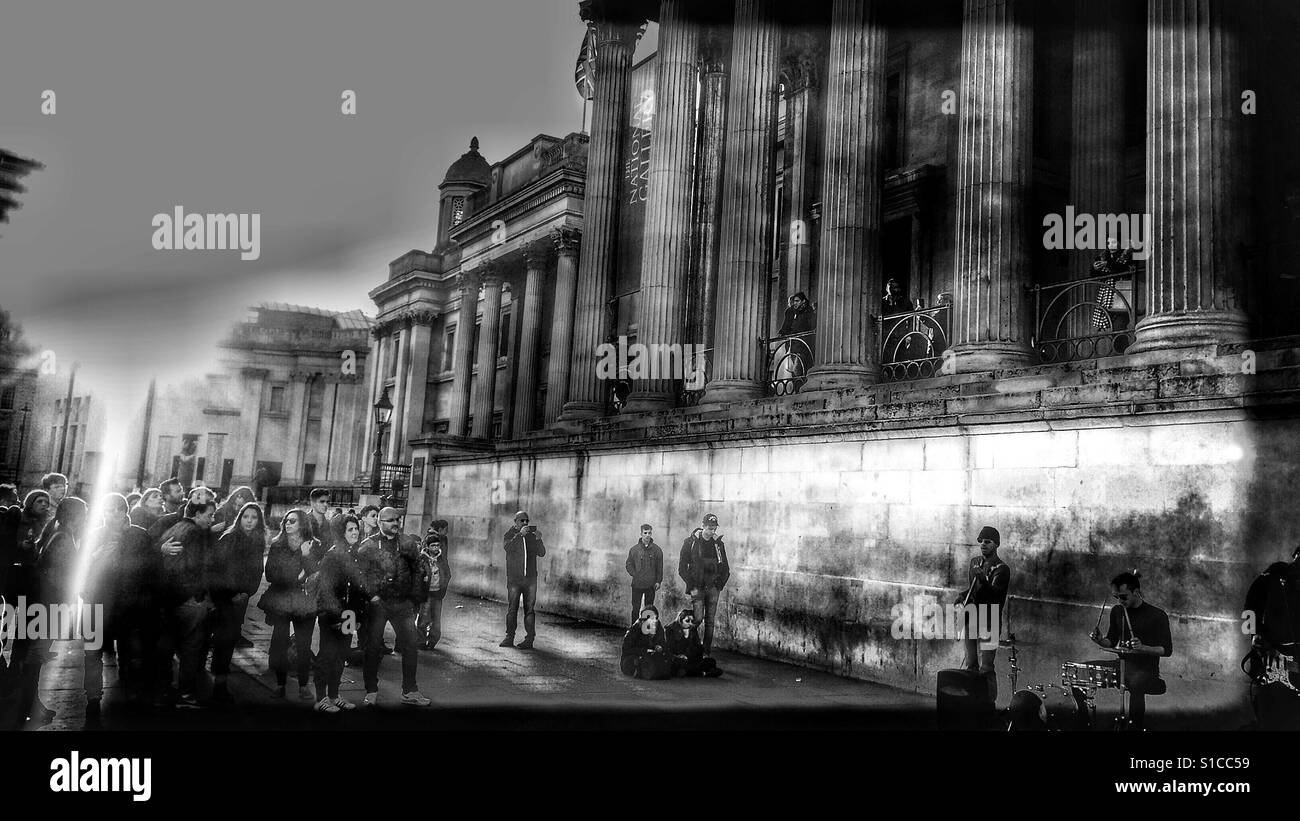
485 396
1195 177
299 386
849 269
463 355
567 244
714 59
745 262
801 77
530 328
994 153
666 253
397 426
417 383
616 31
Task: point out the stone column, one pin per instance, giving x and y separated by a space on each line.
994 152
849 268
714 57
1195 186
666 254
374 362
745 262
530 330
397 426
250 416
567 243
616 31
293 451
800 76
328 427
463 355
485 396
417 382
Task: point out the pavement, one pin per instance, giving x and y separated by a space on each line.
569 681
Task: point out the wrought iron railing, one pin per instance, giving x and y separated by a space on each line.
911 344
788 360
1085 318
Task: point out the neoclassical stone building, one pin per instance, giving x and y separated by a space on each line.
1103 412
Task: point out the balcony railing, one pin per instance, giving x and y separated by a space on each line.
911 344
1085 318
788 360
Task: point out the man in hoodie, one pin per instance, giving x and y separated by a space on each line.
390 564
704 569
645 564
186 606
523 546
687 649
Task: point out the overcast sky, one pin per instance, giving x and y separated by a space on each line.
234 107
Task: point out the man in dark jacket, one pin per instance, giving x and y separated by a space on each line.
523 546
173 495
390 564
704 569
186 606
168 520
21 529
645 564
687 649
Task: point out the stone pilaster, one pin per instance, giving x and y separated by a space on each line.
397 424
530 329
714 58
666 253
616 31
250 417
567 244
1195 177
849 268
994 153
463 355
298 389
485 396
417 385
801 75
745 262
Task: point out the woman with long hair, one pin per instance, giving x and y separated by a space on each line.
294 558
228 511
234 571
342 591
146 511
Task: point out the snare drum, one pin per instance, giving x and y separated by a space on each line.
1099 675
1049 707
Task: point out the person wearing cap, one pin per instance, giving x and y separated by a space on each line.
645 564
390 564
645 647
990 578
523 546
704 569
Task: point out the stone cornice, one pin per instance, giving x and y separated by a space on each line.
563 182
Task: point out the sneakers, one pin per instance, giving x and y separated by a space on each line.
526 644
344 704
326 706
370 700
415 699
508 641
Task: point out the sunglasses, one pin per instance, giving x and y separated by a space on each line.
387 521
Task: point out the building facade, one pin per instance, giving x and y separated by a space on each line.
1103 409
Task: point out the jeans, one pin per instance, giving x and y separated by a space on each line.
93 664
334 644
705 605
402 616
982 661
526 589
428 624
302 630
227 623
186 635
642 597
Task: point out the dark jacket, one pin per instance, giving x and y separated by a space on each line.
122 571
235 563
703 564
57 566
645 564
636 643
522 552
287 596
143 517
183 574
440 569
680 644
19 539
798 322
342 585
162 524
391 568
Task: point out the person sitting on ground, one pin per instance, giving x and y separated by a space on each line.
687 648
645 648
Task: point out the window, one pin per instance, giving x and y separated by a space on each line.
309 473
7 398
394 345
277 399
449 350
503 337
457 211
316 399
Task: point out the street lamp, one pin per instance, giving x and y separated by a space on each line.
383 412
22 440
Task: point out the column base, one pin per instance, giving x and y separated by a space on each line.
731 390
992 356
835 377
575 410
1188 329
650 401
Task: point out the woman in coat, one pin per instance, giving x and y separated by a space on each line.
291 567
234 573
341 593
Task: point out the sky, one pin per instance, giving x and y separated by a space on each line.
235 107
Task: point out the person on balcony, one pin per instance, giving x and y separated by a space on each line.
895 301
800 317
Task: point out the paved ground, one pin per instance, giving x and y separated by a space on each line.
569 681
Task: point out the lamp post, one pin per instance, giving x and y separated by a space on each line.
22 440
383 412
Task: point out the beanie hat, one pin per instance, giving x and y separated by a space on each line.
710 519
987 532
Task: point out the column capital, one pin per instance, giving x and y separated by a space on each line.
467 282
490 274
715 51
422 316
535 256
568 240
616 22
802 56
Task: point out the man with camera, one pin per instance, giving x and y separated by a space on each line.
523 546
705 570
437 569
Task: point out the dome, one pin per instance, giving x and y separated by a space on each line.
471 168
